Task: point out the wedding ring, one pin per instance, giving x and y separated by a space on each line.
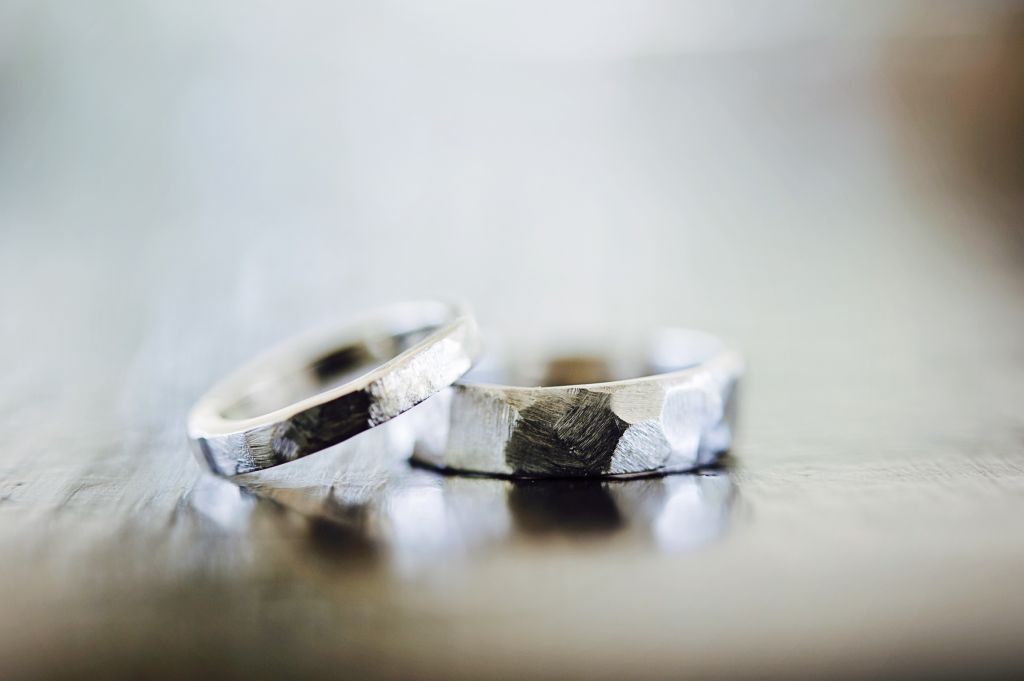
326 387
579 422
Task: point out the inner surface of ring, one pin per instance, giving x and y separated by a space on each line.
669 350
562 370
292 381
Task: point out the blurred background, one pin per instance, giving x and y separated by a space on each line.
572 168
835 186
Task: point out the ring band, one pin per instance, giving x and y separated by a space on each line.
679 418
324 388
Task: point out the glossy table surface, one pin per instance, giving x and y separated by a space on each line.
869 522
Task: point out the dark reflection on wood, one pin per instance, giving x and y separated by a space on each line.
569 507
337 541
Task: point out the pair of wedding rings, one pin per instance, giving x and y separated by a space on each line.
325 388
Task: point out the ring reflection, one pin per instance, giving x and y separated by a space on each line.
365 504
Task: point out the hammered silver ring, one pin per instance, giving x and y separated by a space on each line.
328 386
676 416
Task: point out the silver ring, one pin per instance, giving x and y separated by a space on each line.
580 423
326 387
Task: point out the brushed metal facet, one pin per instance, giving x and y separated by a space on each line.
678 419
327 387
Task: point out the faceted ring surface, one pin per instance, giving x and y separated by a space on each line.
325 387
576 422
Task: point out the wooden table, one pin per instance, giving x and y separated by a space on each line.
869 523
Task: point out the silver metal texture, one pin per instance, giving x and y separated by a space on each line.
325 387
579 423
